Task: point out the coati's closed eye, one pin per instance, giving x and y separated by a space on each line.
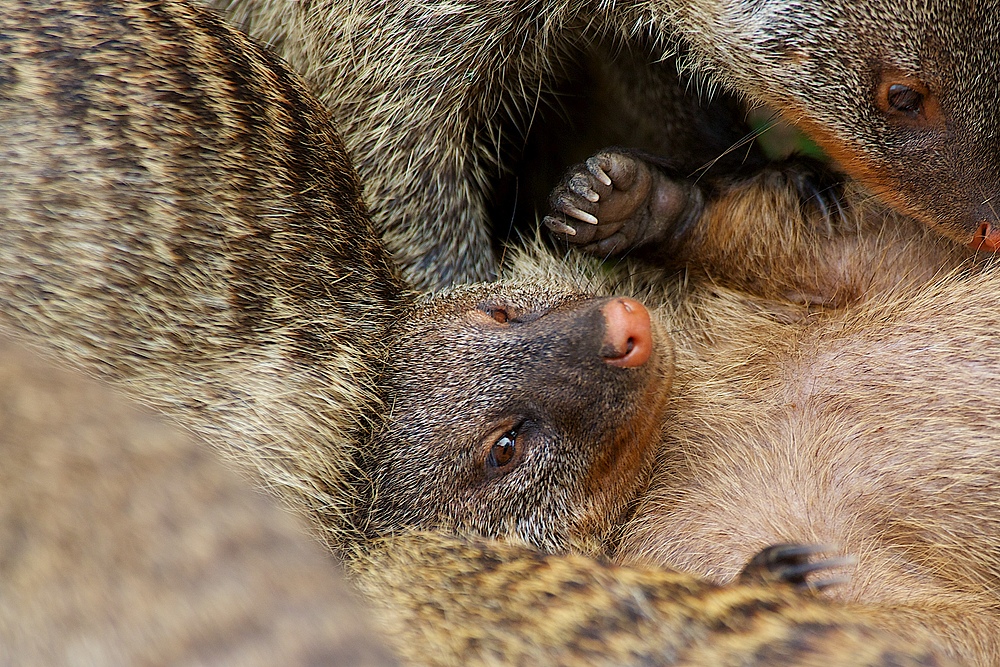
501 313
904 99
505 312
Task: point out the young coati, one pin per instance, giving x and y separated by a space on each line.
127 543
833 386
452 111
178 217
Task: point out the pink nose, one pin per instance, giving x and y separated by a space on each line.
628 338
987 238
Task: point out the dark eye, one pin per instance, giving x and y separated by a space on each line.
503 450
904 99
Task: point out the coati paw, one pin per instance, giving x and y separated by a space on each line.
820 190
792 564
618 200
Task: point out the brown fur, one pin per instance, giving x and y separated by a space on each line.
436 127
834 376
454 602
267 319
124 542
178 216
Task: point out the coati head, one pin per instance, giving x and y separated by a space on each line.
904 95
518 411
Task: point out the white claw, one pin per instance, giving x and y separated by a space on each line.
582 216
559 227
594 165
591 196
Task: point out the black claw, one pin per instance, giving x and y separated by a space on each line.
791 564
796 574
818 188
821 204
829 582
840 209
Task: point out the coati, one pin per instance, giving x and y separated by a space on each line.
179 218
451 111
833 386
125 542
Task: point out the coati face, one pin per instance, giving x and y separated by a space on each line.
904 95
520 412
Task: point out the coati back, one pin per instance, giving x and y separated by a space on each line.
127 542
448 601
901 94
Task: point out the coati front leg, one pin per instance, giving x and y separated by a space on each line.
795 231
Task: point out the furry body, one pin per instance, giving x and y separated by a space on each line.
268 320
454 602
833 387
446 136
871 429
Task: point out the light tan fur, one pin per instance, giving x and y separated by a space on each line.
123 541
871 429
835 370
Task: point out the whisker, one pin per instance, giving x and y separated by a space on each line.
747 140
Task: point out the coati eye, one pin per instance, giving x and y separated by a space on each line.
503 450
501 313
504 312
904 99
907 102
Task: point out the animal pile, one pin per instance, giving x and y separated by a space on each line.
179 218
